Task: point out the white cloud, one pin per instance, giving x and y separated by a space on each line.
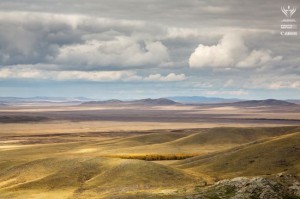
98 76
31 72
20 72
231 51
121 51
258 58
169 78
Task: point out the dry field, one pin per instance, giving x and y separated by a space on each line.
76 119
140 151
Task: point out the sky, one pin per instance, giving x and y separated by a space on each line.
129 49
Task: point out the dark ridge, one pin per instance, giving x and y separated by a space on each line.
148 101
202 100
267 102
22 118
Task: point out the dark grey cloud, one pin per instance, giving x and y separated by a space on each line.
190 13
30 40
78 42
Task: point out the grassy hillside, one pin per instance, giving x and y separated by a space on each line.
231 135
262 158
93 168
87 178
191 141
142 140
197 141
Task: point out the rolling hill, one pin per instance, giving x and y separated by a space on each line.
87 178
280 154
196 141
81 170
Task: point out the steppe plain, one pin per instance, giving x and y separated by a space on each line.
149 151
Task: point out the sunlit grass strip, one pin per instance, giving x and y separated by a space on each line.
153 157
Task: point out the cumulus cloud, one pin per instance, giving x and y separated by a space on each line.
121 51
231 51
168 78
34 38
105 41
77 42
258 58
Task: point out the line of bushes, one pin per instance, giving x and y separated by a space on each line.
153 157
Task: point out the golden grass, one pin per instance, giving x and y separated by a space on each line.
114 167
67 178
265 157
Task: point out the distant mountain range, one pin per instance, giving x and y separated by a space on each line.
165 102
148 101
177 100
201 99
233 101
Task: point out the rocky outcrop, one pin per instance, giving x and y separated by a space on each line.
280 186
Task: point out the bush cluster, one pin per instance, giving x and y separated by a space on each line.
153 157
